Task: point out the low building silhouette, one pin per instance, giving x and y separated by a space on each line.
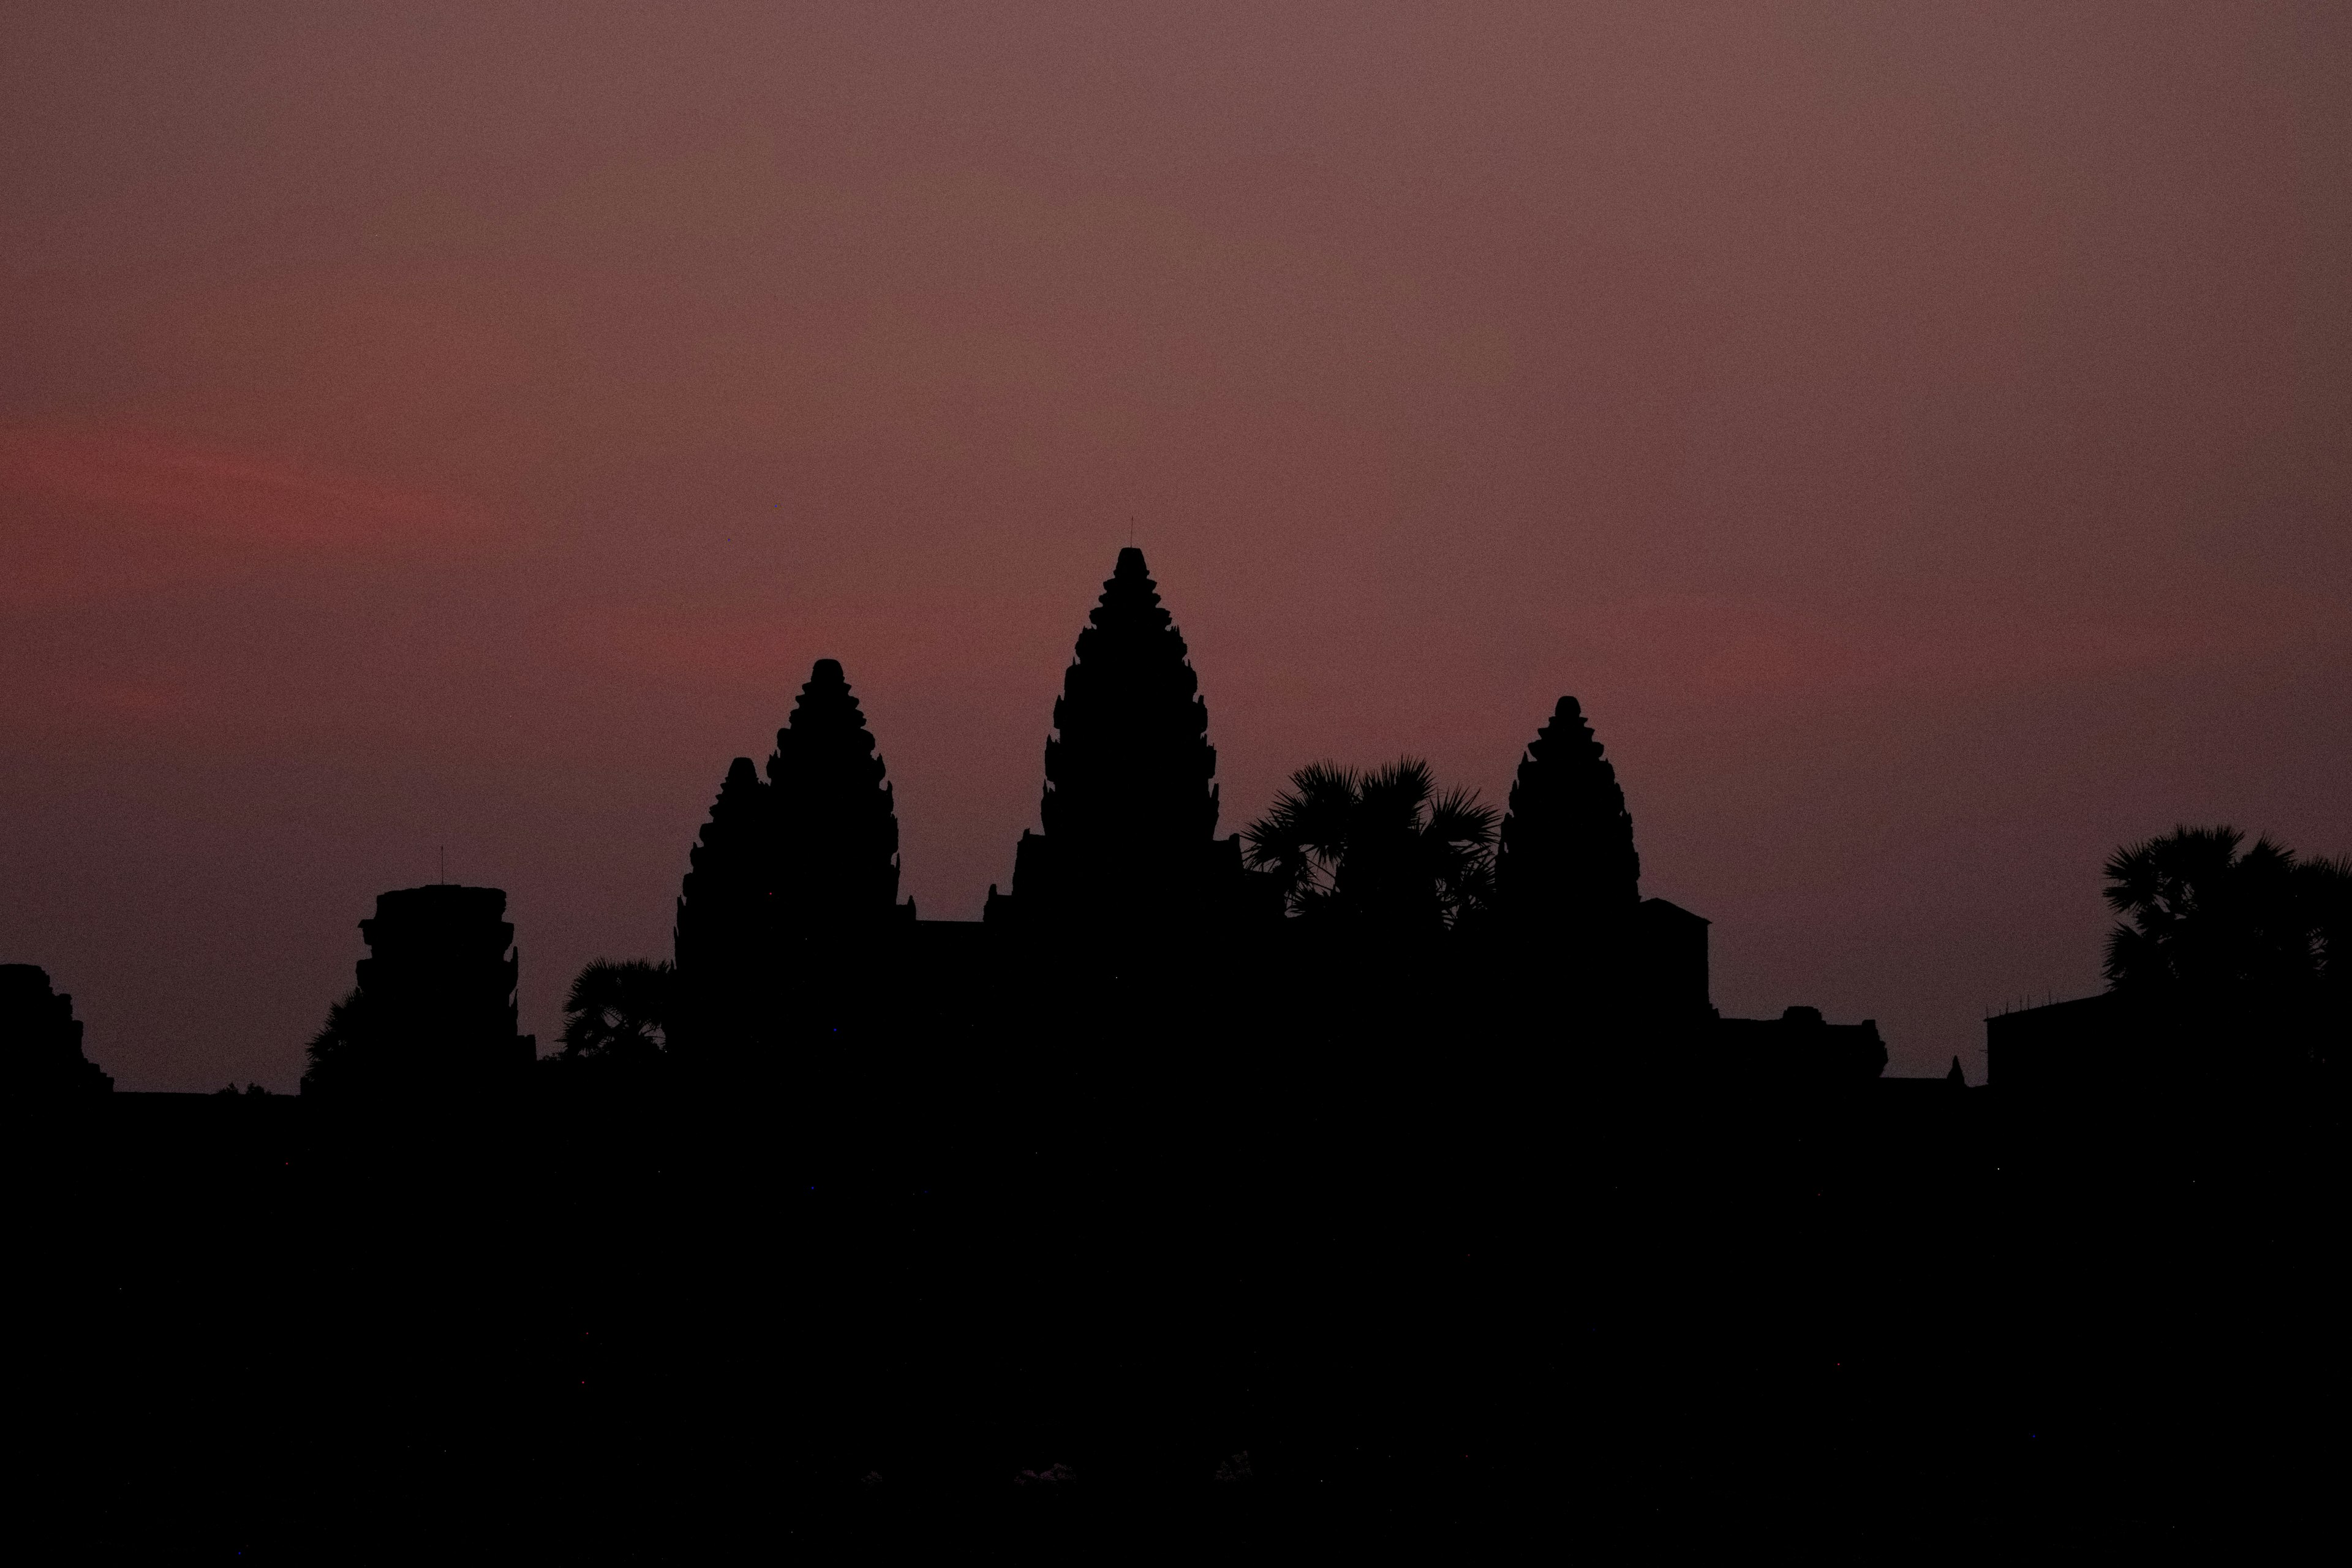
2119 1043
2062 1049
1668 966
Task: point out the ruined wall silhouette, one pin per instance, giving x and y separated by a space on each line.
40 1038
434 1015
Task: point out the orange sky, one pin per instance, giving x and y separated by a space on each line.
1921 435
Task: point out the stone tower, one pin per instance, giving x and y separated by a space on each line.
1129 811
1567 858
835 836
725 935
433 1016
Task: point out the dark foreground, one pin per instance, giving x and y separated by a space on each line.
1430 1305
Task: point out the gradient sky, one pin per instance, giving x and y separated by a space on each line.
1921 435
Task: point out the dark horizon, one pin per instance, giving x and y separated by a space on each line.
1917 438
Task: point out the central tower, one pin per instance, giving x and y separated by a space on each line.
1131 803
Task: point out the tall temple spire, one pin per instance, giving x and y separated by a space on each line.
835 822
1132 765
1130 805
792 875
1567 857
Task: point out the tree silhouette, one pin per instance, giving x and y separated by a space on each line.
1382 849
2249 946
2324 886
1566 855
2206 919
836 835
620 1013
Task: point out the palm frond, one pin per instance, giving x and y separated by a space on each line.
619 1006
2133 960
1458 817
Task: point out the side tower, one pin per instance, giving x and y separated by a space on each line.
1129 808
1567 861
793 879
1567 887
725 934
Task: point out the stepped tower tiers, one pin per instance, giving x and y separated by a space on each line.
810 856
434 1015
836 820
724 932
1130 806
1568 881
1567 859
443 959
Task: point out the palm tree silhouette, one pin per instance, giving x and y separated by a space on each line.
619 1012
1384 848
2323 887
2205 918
2244 948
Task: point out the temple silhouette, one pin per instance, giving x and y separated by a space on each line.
1128 912
1127 898
1380 1176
